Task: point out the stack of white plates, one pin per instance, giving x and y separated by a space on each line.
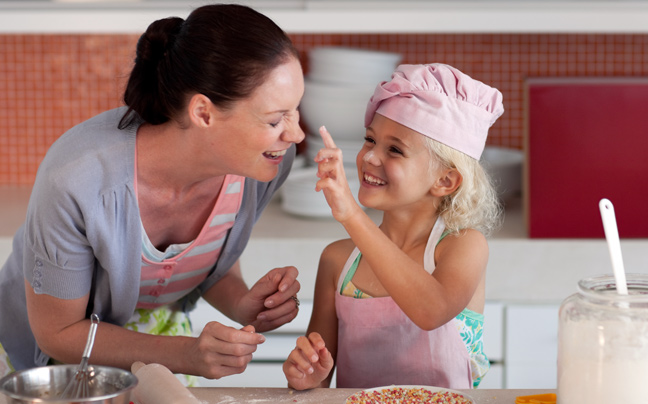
341 108
343 65
298 195
338 86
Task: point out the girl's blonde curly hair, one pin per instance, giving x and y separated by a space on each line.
474 204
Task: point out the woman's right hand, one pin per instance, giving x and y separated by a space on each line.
309 363
222 351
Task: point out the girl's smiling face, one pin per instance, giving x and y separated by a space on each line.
253 136
394 167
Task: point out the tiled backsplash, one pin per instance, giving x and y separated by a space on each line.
49 83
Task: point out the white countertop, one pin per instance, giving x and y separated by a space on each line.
342 16
327 396
520 269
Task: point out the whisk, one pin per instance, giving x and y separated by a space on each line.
79 386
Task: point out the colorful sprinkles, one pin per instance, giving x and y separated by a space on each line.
407 395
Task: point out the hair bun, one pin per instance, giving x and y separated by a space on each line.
158 38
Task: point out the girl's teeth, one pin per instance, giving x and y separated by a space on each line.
373 180
275 154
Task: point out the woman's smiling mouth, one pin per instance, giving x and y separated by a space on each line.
273 155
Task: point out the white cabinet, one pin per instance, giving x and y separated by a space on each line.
494 331
531 346
494 345
494 379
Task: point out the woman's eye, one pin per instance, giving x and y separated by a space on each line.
286 117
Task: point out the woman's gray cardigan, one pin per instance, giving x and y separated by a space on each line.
82 232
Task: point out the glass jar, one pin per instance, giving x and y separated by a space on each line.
603 343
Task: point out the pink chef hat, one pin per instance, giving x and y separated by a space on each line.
439 102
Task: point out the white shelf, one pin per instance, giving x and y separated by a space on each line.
351 16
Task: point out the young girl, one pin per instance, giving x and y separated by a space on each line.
402 303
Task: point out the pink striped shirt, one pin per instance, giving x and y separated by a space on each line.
168 276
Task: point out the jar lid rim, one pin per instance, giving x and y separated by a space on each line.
594 286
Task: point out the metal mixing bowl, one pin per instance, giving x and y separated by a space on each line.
44 384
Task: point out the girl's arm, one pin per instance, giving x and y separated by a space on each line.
429 301
311 363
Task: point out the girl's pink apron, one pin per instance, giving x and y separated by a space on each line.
378 345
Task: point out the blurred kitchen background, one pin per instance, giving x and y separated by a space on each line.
64 61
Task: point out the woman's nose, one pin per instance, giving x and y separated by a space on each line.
371 158
293 132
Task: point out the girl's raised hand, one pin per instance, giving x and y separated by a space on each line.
309 363
332 179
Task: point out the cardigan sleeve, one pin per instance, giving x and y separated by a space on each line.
58 259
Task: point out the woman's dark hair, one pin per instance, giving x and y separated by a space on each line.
223 51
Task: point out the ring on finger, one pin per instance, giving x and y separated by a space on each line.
295 299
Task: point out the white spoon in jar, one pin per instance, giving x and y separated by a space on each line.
614 245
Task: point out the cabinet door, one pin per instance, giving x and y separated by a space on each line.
494 331
531 346
494 345
494 379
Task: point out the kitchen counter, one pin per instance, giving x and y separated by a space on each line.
331 396
326 396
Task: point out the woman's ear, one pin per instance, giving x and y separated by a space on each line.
447 183
200 110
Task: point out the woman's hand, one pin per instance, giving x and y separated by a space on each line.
222 351
333 180
309 363
272 301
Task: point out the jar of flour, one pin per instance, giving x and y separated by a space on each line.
603 343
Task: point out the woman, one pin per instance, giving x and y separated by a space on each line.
141 210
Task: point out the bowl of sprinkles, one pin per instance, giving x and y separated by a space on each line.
409 395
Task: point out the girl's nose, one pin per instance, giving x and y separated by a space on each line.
371 158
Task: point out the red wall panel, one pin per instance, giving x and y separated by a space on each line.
587 140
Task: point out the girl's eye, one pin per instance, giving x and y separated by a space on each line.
395 150
369 140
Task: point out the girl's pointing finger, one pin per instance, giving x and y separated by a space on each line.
327 138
